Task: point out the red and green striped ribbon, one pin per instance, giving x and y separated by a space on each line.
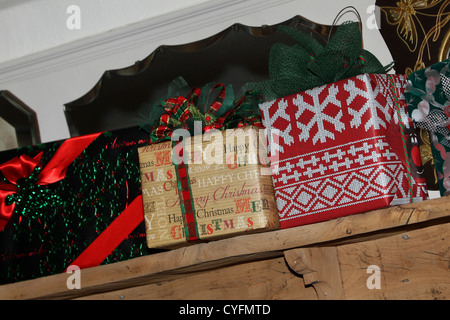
402 134
185 195
241 115
180 109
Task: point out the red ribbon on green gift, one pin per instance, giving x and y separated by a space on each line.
23 166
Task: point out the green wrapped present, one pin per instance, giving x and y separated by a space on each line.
428 96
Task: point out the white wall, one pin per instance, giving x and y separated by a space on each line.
27 27
46 64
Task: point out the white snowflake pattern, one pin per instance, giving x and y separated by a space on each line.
273 133
371 105
320 116
385 89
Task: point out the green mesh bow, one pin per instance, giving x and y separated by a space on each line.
308 64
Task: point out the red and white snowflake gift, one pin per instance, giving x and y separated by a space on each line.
337 149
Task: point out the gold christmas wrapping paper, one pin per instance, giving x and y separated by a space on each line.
219 184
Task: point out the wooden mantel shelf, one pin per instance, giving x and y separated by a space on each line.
409 244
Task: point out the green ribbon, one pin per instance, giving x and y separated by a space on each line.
308 64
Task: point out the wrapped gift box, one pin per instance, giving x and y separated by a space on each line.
428 97
212 186
76 201
337 150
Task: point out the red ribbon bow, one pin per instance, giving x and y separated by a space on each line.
14 170
23 166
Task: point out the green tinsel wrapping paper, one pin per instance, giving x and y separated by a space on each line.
53 224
